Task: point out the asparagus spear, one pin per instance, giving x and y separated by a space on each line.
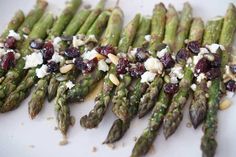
175 113
111 37
148 136
171 26
53 84
63 110
208 143
184 26
198 107
101 104
36 103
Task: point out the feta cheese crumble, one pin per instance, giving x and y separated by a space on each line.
162 52
89 54
201 77
57 58
148 77
193 87
42 71
215 47
33 60
77 42
12 33
56 44
70 84
177 71
154 65
147 38
102 65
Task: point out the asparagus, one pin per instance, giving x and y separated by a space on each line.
22 91
101 103
175 113
184 26
171 26
63 110
36 103
208 143
198 107
111 37
53 84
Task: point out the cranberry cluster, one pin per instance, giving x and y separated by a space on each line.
86 65
105 50
171 88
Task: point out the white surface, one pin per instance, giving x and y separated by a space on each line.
22 137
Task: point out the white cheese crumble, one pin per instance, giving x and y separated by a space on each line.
215 47
154 65
70 84
1 45
200 55
194 87
17 55
209 84
91 38
229 94
57 58
33 60
12 33
42 72
90 54
102 65
147 77
25 36
77 42
2 52
147 38
133 52
177 71
56 44
162 52
201 77
174 80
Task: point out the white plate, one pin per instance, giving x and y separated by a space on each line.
22 137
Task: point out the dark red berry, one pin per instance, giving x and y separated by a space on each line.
36 44
72 52
105 50
122 66
52 67
91 65
202 66
137 70
66 38
167 60
233 68
182 55
48 51
141 55
230 85
217 61
213 73
171 88
10 43
194 47
80 64
8 61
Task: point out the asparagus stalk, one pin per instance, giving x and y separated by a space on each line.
208 143
22 91
37 100
184 26
111 37
175 113
101 103
63 110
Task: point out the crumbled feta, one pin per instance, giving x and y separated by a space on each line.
17 56
108 61
162 52
209 84
91 38
42 72
25 36
1 45
12 33
121 55
33 60
174 79
153 65
229 94
70 84
215 47
102 65
89 54
227 70
2 52
147 77
56 44
77 42
193 87
57 58
147 38
201 77
203 51
177 71
133 52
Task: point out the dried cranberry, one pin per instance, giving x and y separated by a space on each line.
52 67
8 60
194 47
72 52
217 61
182 55
105 50
137 70
80 64
233 68
36 44
90 66
167 60
48 51
122 66
213 73
141 55
66 38
10 43
230 85
202 66
171 88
